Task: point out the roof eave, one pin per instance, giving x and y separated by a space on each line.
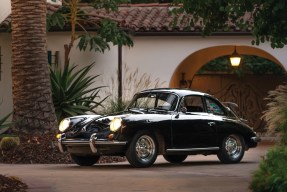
177 33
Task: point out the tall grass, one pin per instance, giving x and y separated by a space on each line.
272 173
133 82
276 114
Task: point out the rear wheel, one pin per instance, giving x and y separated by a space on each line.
232 149
143 149
85 160
175 158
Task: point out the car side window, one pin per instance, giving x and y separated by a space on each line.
193 103
214 107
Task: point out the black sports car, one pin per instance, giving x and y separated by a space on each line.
174 123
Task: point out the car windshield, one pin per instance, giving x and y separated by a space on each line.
158 101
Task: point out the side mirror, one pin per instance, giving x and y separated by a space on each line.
183 109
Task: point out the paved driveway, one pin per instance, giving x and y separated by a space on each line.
196 174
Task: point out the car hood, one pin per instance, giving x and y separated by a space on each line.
126 116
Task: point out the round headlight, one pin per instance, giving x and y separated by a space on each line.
115 124
65 124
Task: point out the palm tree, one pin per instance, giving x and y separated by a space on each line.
33 107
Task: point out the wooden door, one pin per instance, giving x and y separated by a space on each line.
248 92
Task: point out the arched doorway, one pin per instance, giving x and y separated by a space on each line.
248 91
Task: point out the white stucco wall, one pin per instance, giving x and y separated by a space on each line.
160 56
5 9
157 57
6 79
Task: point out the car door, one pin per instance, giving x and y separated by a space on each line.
193 127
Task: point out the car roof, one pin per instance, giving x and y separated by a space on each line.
180 92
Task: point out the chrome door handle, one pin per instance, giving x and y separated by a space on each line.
211 123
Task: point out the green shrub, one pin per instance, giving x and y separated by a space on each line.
272 173
71 91
9 143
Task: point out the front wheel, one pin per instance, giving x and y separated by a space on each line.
143 149
175 158
232 149
85 160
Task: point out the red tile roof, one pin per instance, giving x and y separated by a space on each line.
144 18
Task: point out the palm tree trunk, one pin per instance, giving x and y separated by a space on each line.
33 107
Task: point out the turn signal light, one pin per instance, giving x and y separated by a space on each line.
111 136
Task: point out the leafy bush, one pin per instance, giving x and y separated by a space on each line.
272 173
71 91
9 143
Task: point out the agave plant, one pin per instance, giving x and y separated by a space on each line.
71 91
4 125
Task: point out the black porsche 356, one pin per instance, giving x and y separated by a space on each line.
174 123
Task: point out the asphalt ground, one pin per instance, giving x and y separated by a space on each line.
196 174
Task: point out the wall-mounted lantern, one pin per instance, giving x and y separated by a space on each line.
235 58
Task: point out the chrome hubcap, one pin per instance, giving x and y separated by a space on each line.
233 147
145 148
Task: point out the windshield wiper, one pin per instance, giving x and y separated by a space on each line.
157 110
136 110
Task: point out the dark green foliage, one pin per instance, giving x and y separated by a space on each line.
144 1
109 5
95 43
106 4
269 17
249 65
55 19
272 173
108 32
71 91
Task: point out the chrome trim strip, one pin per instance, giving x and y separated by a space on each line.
60 146
91 142
193 149
95 142
256 139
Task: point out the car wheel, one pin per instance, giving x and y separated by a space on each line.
232 149
175 158
85 160
142 151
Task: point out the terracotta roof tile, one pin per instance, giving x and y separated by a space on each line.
142 18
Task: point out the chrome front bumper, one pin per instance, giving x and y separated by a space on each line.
256 139
92 143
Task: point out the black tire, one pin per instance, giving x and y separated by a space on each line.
85 160
232 149
143 150
175 158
